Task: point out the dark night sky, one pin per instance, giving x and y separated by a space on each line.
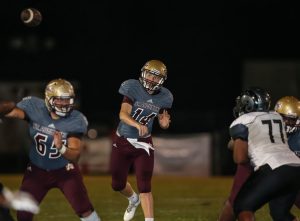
203 44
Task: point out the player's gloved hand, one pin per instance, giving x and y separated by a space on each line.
20 200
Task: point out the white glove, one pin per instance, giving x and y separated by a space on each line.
20 200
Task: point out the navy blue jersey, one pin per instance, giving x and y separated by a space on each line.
294 142
145 107
41 127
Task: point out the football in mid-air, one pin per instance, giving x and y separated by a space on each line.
31 17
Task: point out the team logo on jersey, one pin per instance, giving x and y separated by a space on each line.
70 166
42 129
47 130
147 106
114 145
51 125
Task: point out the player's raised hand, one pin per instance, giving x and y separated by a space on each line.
164 119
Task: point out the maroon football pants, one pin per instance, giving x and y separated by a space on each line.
123 156
38 182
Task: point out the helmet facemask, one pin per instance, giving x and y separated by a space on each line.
59 97
153 75
151 85
291 123
62 105
237 110
289 108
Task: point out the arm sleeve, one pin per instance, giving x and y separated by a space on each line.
239 131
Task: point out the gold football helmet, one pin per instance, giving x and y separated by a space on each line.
59 97
289 108
157 68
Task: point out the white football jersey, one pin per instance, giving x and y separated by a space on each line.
267 140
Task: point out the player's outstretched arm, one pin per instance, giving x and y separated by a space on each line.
240 151
230 144
9 109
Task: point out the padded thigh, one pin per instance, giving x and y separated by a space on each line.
266 184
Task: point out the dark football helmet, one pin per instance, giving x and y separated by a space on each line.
254 99
59 97
289 108
156 68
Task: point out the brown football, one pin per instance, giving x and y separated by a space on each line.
31 17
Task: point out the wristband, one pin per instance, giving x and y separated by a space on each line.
63 149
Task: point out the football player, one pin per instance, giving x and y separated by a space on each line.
289 108
56 131
259 136
143 101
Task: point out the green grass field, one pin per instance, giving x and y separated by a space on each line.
175 198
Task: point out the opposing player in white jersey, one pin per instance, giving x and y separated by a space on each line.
259 137
280 208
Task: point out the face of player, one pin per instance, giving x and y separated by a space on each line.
153 77
290 124
62 105
61 102
152 82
